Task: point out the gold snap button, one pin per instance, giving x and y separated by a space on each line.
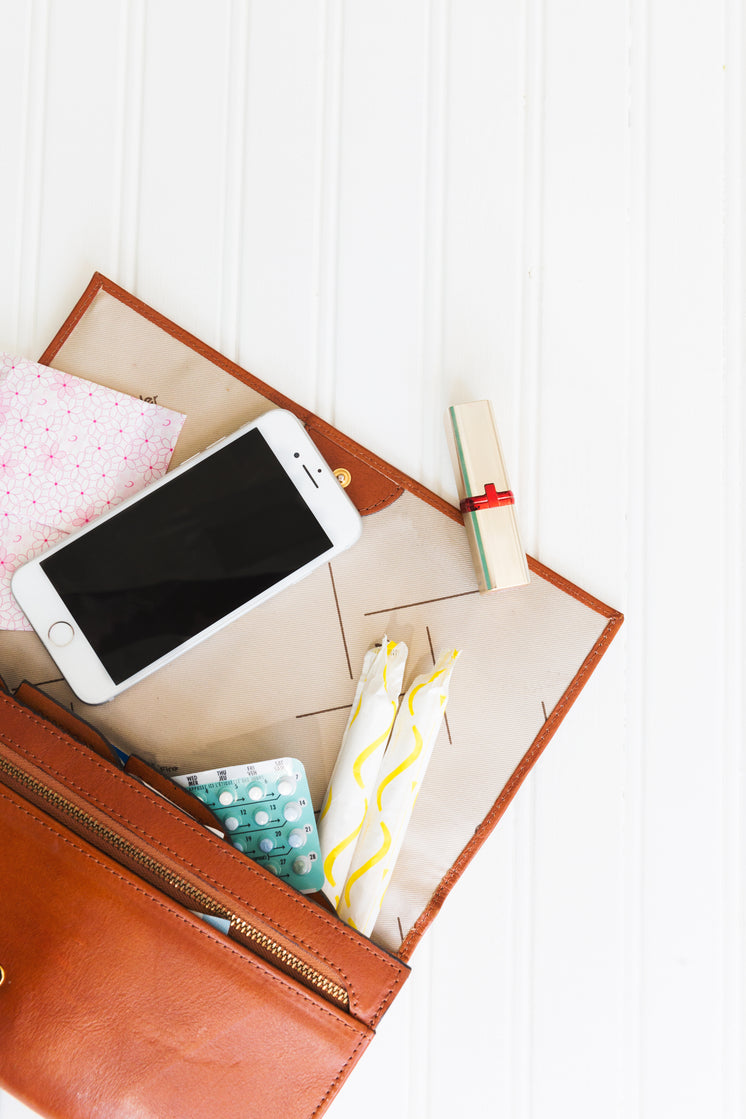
2 976
343 477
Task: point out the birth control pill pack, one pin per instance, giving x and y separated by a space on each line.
267 813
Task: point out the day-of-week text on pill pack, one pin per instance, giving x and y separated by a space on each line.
267 813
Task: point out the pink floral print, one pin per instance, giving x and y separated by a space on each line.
69 451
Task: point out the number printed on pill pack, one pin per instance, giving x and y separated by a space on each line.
267 813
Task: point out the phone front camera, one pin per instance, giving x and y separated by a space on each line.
297 454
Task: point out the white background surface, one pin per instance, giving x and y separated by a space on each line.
384 207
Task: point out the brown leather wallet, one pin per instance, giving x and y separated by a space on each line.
116 999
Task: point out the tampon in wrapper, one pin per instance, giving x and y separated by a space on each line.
353 780
404 764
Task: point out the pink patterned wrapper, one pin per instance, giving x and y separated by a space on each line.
70 450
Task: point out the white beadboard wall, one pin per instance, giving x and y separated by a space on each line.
383 207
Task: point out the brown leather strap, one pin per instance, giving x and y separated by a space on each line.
366 485
82 731
167 788
66 720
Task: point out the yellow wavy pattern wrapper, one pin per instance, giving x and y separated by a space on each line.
354 778
405 761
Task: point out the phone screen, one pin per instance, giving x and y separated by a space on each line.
186 555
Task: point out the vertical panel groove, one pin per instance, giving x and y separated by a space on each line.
129 153
431 376
326 246
23 178
734 890
532 220
631 995
419 1102
434 182
31 179
522 992
120 148
234 175
528 396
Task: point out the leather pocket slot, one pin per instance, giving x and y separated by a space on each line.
151 997
176 884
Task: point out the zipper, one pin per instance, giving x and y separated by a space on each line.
270 949
281 955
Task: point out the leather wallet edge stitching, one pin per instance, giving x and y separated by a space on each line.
174 814
511 787
101 861
100 282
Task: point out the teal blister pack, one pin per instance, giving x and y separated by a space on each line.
267 814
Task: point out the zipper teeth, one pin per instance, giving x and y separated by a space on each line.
206 903
334 990
113 838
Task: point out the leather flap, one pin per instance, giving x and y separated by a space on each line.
118 1002
367 487
371 976
38 701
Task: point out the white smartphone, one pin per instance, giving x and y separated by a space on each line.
167 568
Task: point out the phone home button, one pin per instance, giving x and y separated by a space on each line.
61 633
